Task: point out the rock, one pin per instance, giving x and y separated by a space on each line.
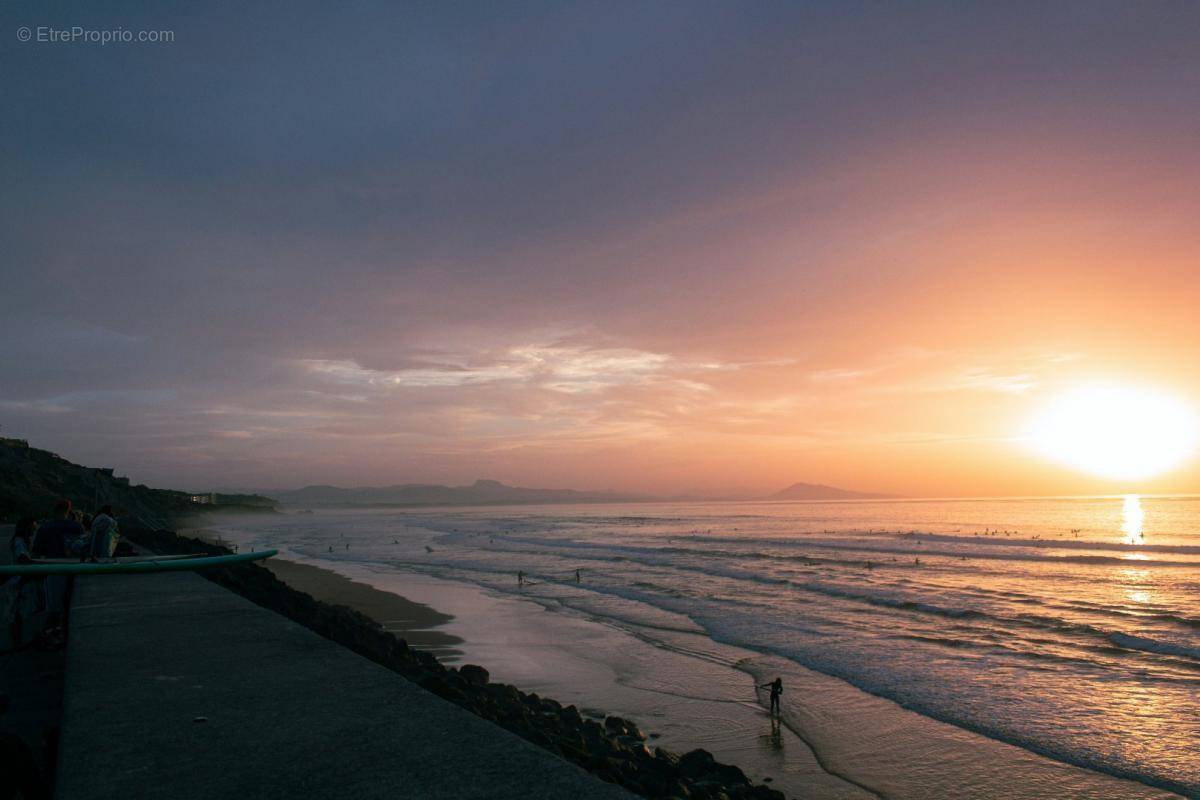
667 757
728 774
763 793
620 726
631 744
570 716
504 693
474 675
696 764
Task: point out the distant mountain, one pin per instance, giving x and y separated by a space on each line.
480 493
817 491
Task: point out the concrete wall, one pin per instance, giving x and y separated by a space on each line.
177 688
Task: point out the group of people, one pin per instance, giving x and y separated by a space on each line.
66 534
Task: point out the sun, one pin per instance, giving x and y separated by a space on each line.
1115 431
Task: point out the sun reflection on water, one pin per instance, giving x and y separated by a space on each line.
1132 518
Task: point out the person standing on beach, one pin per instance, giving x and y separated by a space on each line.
776 687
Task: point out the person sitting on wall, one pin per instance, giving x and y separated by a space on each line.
21 596
104 534
21 545
51 541
54 534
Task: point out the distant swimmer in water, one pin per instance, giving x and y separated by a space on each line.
776 687
428 549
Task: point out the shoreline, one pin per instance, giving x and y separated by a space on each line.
532 639
612 748
518 644
842 747
416 623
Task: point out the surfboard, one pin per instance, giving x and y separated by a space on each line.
144 565
120 559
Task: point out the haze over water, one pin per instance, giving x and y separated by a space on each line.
1066 626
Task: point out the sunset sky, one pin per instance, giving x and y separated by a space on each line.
668 247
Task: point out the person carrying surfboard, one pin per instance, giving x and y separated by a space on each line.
776 687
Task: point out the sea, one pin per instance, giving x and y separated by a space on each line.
960 641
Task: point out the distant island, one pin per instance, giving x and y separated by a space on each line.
480 493
490 492
819 491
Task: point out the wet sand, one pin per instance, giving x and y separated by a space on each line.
414 622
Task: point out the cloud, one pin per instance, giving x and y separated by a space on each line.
565 369
922 371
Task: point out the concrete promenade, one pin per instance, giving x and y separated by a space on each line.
177 688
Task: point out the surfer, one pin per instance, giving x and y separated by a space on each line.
776 687
520 578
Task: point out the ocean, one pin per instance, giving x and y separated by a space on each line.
1067 627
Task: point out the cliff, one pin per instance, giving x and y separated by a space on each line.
31 480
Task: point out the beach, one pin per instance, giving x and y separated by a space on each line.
416 623
659 629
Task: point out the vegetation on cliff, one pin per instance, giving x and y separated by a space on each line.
32 479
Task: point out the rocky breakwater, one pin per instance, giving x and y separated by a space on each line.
615 750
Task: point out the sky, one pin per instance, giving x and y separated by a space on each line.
669 247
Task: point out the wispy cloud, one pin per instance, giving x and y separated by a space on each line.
558 368
921 371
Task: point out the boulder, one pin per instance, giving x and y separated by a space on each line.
631 744
570 716
474 674
696 763
619 726
668 758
